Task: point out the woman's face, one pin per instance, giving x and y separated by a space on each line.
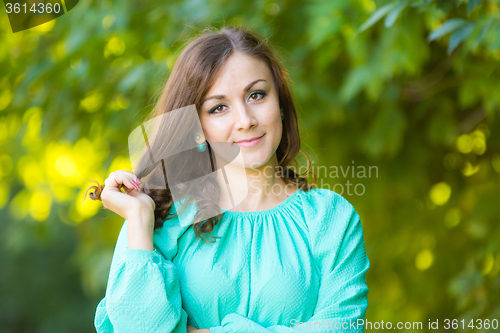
243 104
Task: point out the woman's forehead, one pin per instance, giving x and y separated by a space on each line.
241 69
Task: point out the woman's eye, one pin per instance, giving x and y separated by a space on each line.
258 93
215 109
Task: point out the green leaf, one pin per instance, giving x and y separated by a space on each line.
483 32
393 15
496 33
472 4
377 15
459 35
445 28
357 79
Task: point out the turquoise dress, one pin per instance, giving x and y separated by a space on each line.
300 266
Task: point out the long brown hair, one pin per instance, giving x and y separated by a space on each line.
192 76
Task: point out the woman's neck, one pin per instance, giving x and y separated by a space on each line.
252 189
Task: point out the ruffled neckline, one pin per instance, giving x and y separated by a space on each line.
288 201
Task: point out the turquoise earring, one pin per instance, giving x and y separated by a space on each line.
282 117
201 146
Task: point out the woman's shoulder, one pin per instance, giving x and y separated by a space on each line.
326 200
324 206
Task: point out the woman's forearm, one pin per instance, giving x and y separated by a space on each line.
140 231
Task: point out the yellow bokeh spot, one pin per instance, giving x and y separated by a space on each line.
464 143
440 193
469 169
369 5
53 151
30 171
424 260
107 21
452 217
31 112
488 263
40 204
85 207
478 142
59 50
119 103
479 146
92 102
66 166
479 134
44 28
88 154
120 163
115 46
5 98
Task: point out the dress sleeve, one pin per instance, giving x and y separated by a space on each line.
338 249
143 291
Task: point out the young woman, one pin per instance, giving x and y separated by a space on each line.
289 257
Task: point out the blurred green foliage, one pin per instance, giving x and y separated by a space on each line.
409 87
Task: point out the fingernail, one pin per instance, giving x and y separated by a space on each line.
138 180
135 185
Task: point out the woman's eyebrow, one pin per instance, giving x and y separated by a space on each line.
247 88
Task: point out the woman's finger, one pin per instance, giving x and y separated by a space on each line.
118 179
135 178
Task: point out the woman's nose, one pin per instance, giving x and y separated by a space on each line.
244 118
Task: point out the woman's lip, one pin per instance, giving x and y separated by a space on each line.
250 143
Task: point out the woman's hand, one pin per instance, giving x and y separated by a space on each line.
192 329
127 204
